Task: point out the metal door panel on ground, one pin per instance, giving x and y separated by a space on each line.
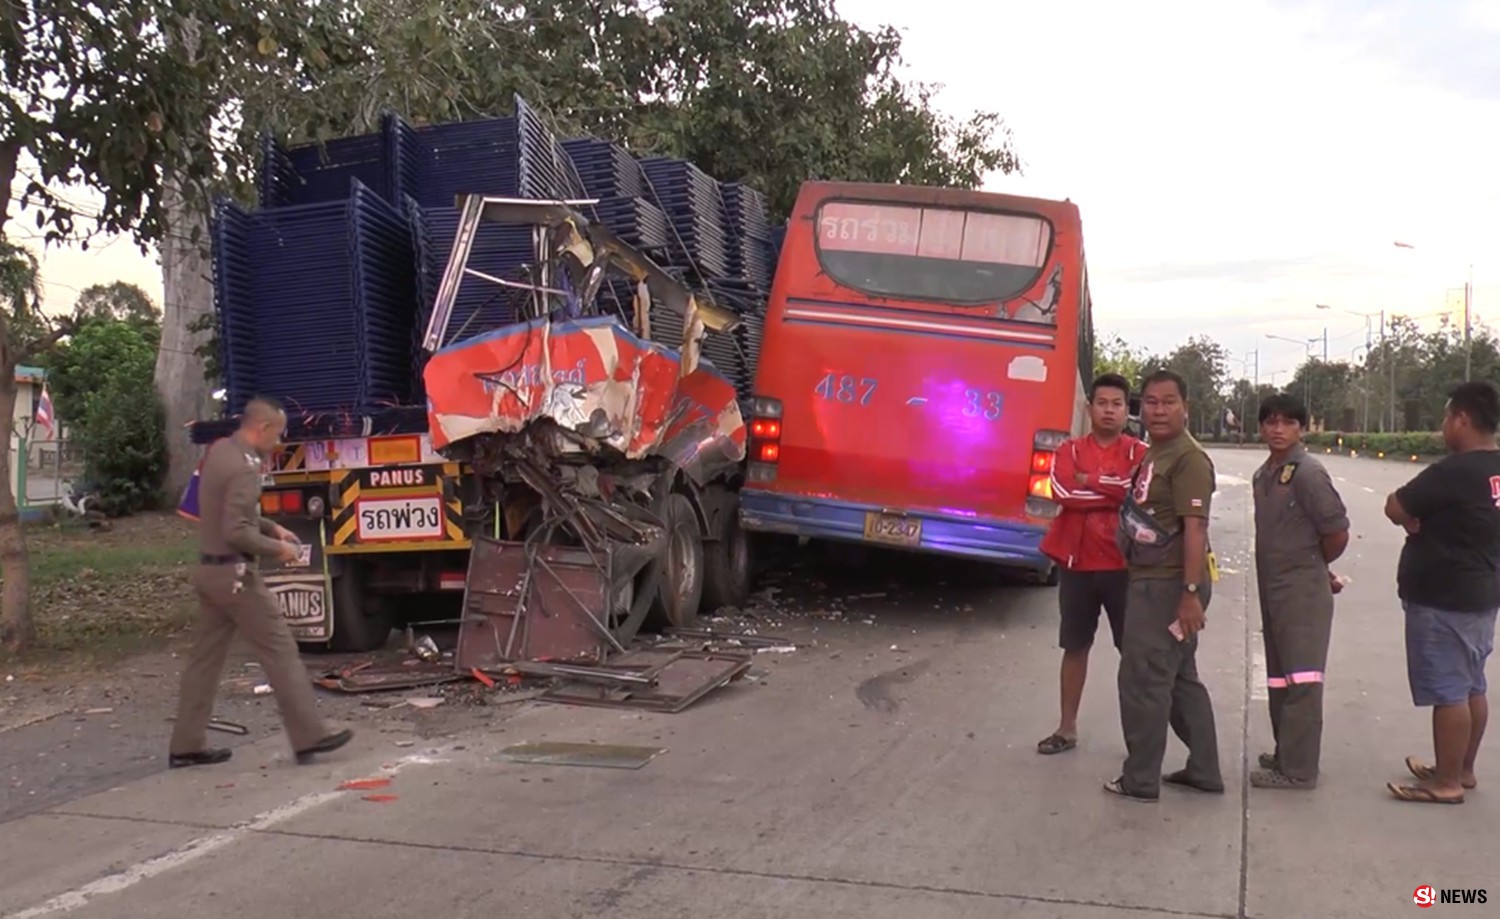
301 586
397 509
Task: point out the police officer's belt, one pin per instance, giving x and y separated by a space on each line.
223 559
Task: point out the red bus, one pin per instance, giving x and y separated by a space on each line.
925 352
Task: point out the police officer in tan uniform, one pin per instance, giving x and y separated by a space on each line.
233 598
1301 527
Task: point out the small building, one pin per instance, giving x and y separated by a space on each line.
40 468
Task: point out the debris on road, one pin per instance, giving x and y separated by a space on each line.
678 679
424 702
370 677
378 799
365 784
262 689
608 756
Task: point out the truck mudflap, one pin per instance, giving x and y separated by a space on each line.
301 587
599 382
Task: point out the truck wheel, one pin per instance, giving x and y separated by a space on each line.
727 563
680 587
361 620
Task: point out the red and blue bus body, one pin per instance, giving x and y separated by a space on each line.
926 351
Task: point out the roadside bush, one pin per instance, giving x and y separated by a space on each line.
125 444
1403 445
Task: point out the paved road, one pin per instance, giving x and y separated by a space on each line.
885 769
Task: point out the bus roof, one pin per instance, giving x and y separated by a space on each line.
1063 212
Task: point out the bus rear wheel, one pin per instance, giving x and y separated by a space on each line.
727 562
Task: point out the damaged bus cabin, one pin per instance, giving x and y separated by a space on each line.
568 451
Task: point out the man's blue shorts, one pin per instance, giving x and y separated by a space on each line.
1445 653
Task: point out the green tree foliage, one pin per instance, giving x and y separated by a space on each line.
1325 387
1204 365
771 92
100 350
124 443
119 300
96 95
1115 355
101 382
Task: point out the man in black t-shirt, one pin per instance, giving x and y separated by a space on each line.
1447 580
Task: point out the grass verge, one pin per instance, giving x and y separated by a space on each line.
110 592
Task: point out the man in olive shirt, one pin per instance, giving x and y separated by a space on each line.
1164 536
233 599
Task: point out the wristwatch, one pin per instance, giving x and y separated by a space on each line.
1191 588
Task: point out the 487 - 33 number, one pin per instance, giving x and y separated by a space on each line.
843 387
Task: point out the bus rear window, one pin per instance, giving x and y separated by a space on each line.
931 253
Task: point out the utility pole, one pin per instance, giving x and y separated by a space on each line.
1325 344
1390 356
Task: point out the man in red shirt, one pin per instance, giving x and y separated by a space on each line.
1090 476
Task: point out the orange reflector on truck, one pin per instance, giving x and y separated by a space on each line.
384 450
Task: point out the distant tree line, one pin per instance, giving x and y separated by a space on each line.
1399 384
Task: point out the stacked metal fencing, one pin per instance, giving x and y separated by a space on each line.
324 291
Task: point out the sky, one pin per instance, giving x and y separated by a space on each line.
1236 164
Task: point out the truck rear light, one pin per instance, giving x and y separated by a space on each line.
291 502
768 453
270 503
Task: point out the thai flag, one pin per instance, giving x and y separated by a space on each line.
44 416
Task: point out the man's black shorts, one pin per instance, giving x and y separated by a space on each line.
1080 595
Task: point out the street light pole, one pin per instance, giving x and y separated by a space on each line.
1468 338
1307 345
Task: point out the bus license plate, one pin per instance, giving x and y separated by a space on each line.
893 529
400 518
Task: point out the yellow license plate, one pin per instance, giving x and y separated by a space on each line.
893 529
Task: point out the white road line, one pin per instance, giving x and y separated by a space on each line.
1368 489
194 850
1258 691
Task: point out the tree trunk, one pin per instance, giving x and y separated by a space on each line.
187 293
10 154
17 631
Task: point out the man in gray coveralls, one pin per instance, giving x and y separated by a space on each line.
1301 527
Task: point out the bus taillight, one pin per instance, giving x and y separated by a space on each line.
765 438
1039 483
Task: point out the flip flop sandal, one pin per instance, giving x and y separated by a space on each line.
1117 787
1419 795
1180 778
1056 744
1425 771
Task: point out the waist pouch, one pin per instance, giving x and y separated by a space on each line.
1144 542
